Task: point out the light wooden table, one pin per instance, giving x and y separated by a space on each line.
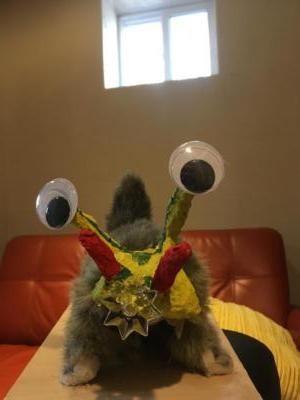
40 380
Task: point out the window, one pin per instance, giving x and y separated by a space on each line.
157 45
141 52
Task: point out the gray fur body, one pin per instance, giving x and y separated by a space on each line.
90 346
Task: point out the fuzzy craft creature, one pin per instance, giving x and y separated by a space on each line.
140 289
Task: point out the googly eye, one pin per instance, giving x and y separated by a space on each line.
196 167
56 204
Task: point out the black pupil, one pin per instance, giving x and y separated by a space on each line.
58 212
197 176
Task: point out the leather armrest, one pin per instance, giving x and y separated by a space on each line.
293 324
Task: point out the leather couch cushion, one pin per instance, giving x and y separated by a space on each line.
247 266
13 359
35 279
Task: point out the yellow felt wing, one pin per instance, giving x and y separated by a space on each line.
252 323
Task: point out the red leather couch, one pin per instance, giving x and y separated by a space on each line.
247 266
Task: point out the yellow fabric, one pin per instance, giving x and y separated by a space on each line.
244 320
181 301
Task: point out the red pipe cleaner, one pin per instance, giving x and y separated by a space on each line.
100 253
169 266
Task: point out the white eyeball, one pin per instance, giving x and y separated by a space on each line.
57 202
196 167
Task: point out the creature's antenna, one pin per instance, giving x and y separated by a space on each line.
177 212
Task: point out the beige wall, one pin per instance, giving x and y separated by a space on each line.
57 120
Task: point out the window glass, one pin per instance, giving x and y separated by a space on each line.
142 53
189 46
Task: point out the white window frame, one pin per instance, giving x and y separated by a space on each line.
164 15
